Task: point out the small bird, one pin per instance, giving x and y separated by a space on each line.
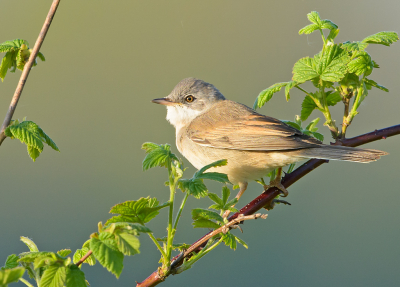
210 128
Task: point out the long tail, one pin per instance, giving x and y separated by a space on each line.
343 153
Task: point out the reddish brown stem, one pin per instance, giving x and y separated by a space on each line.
27 69
267 196
84 258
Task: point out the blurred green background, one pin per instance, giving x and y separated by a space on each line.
107 59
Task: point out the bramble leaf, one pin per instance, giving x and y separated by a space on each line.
29 242
11 261
205 223
157 155
64 252
318 24
333 98
383 38
106 252
229 240
136 211
222 204
267 94
354 46
292 124
304 70
128 244
309 29
361 64
288 87
53 276
75 277
79 253
307 106
199 213
332 35
8 276
375 84
194 186
6 63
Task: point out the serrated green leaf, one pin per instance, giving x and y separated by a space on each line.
312 126
199 213
5 65
136 211
41 56
53 276
215 198
64 252
318 136
218 163
375 84
128 244
304 70
205 223
216 176
48 140
193 186
7 46
332 66
267 94
361 64
288 87
157 155
79 253
314 17
383 38
75 277
225 194
11 261
19 42
307 106
27 132
354 46
107 253
29 242
308 29
33 152
229 240
328 24
127 226
8 276
333 98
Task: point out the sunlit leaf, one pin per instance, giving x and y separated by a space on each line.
106 251
307 106
8 276
383 38
267 94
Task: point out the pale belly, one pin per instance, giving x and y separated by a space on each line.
243 166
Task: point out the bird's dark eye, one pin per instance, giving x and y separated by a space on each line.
189 98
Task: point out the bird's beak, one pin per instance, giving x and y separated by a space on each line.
164 101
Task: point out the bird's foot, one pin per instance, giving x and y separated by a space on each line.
276 201
277 183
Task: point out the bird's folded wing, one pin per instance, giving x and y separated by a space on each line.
238 127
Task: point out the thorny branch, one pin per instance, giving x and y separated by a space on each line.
265 199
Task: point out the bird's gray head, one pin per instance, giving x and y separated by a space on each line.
190 98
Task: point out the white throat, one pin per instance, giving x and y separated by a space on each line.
180 116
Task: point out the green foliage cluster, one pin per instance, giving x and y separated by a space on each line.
339 73
17 55
32 135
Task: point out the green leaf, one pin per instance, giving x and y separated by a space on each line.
5 65
11 261
216 176
304 70
29 242
130 227
312 126
226 192
288 87
30 257
7 46
199 213
332 66
41 56
309 29
48 140
205 223
314 17
267 94
307 106
53 276
361 64
157 155
128 244
8 276
318 136
354 46
136 211
75 277
333 98
328 24
79 253
292 124
332 35
193 186
180 246
375 84
106 252
64 252
240 241
229 240
383 38
216 198
218 163
33 152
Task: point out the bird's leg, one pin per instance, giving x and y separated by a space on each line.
276 182
243 187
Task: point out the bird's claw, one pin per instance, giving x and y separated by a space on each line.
277 183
